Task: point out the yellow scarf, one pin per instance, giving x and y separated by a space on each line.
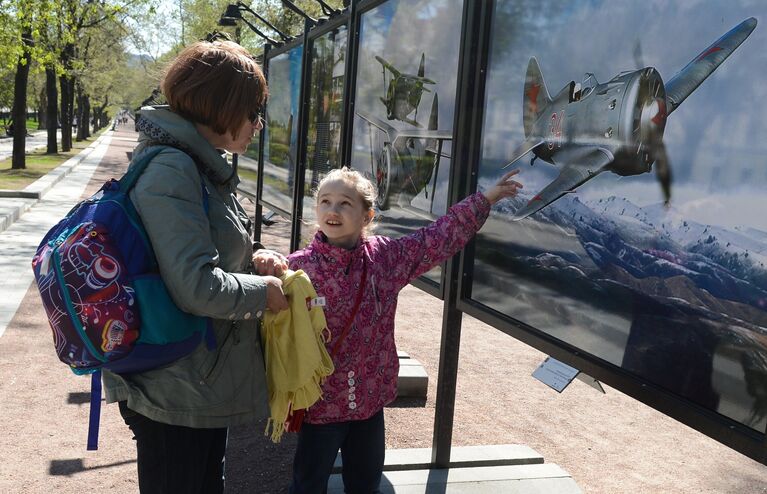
294 347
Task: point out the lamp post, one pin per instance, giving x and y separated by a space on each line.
233 13
312 21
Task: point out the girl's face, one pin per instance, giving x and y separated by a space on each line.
341 214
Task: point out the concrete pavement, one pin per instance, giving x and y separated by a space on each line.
36 140
25 220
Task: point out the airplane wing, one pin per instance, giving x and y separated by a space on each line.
392 133
524 148
385 127
592 161
425 134
388 66
695 72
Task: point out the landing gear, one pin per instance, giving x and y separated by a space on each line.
383 175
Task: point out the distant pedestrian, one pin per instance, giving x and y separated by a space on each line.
201 236
359 278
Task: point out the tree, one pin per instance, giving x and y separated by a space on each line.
75 19
103 65
19 111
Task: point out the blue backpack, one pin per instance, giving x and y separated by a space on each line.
101 289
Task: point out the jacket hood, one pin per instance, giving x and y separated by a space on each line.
158 124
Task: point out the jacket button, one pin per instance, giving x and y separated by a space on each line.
258 314
247 315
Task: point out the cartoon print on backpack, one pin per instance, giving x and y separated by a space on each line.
99 294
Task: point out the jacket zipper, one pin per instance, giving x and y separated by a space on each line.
220 349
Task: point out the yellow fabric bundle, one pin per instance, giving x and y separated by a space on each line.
294 349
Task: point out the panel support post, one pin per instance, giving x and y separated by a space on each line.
467 132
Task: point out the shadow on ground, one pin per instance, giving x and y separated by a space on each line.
255 464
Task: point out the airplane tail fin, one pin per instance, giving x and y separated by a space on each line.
535 98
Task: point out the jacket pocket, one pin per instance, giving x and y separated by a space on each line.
217 360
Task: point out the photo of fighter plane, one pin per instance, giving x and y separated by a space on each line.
617 126
407 158
404 91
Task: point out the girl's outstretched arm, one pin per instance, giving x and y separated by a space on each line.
412 255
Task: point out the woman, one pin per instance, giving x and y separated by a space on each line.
180 413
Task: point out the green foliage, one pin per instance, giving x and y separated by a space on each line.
202 17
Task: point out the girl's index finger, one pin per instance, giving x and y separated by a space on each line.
511 173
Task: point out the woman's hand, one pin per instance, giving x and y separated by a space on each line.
275 298
269 263
505 187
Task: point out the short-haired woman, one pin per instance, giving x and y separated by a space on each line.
179 414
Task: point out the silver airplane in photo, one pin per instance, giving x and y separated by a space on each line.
615 126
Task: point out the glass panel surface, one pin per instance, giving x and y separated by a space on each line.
281 141
326 106
641 234
247 169
405 96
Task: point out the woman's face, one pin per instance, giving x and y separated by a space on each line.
247 131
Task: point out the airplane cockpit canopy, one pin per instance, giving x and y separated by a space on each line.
588 84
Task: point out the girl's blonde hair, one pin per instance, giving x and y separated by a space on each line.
364 187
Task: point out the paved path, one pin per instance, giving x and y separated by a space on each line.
38 139
21 238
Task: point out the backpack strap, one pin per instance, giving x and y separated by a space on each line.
95 412
128 181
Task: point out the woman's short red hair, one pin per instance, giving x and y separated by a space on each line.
218 84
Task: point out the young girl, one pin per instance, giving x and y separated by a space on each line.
359 277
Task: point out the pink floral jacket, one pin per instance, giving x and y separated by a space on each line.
365 379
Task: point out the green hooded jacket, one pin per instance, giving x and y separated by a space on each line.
205 261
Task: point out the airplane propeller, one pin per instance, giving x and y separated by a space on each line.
652 124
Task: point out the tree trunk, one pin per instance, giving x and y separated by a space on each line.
19 112
81 116
66 112
66 82
98 115
52 121
87 112
42 116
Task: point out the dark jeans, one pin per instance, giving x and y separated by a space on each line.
362 452
174 459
